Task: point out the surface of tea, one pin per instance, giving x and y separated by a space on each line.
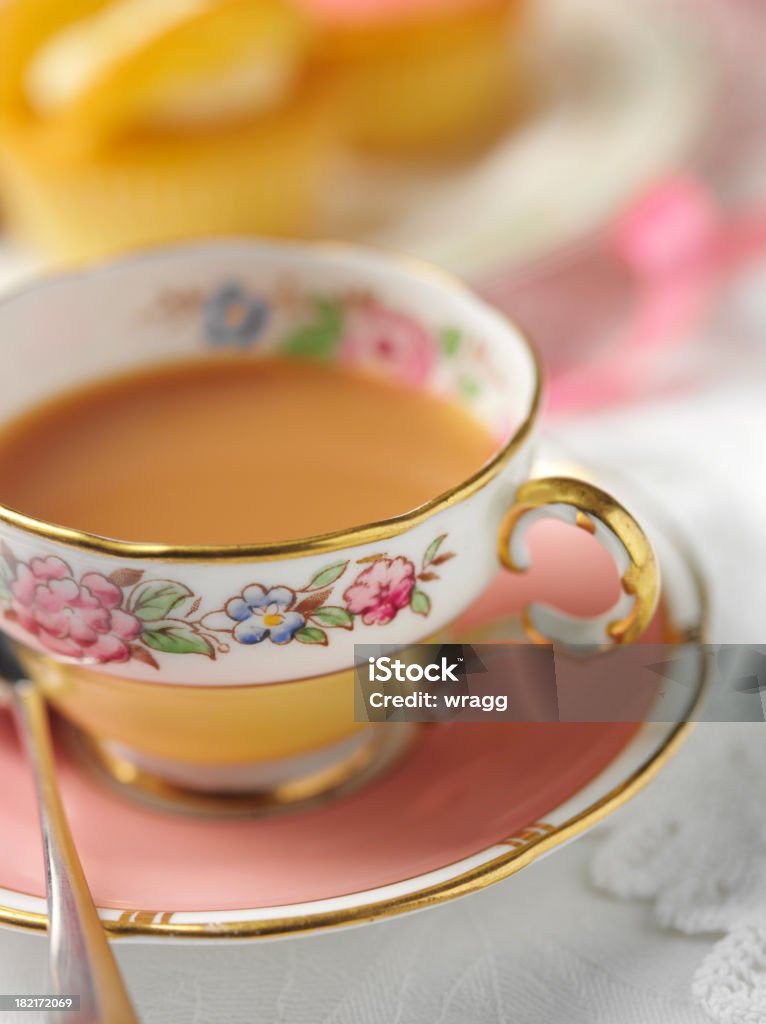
235 451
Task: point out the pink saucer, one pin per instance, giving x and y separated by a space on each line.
465 799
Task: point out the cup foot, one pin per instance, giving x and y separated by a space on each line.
245 789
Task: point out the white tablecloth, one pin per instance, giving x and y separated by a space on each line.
546 945
541 947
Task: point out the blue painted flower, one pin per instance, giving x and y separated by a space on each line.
233 316
261 613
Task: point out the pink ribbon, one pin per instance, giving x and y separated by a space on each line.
678 248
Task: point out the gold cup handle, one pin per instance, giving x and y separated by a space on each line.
593 510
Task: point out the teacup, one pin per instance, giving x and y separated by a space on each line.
166 687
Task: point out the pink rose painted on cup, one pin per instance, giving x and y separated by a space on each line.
378 338
380 592
77 620
127 616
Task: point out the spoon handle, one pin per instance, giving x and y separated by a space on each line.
82 962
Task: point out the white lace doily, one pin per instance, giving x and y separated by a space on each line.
696 846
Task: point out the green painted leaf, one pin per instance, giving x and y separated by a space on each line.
420 602
433 548
327 576
469 387
177 638
157 599
333 617
317 340
309 635
451 339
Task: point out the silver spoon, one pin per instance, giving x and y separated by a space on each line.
81 960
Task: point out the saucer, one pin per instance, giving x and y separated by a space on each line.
467 805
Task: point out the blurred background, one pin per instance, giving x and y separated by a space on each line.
596 168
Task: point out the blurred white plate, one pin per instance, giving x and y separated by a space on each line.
624 91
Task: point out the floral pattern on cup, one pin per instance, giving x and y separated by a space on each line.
281 614
233 315
98 619
261 613
380 592
352 328
80 619
378 338
388 585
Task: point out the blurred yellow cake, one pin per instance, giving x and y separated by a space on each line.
127 122
419 75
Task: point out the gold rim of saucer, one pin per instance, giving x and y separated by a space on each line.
367 533
381 752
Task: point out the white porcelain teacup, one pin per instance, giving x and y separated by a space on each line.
219 656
